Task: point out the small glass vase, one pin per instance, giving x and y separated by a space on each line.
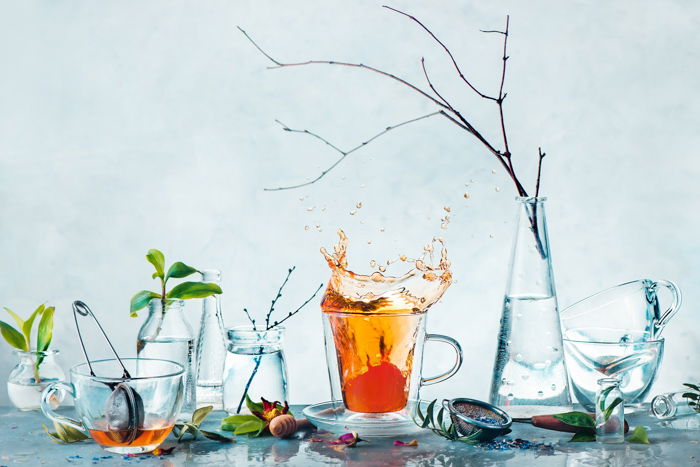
27 380
529 373
609 412
167 335
211 348
255 366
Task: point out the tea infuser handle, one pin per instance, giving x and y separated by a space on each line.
46 397
672 310
458 360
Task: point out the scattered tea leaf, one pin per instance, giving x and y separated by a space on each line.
582 437
639 436
65 434
580 419
216 436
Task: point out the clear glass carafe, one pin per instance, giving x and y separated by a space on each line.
27 380
211 348
529 375
255 366
167 335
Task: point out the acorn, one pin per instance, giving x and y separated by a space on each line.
284 426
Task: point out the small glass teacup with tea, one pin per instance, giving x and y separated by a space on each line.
123 415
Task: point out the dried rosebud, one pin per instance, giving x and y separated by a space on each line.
348 439
271 410
162 451
401 443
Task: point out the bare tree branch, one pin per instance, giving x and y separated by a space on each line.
539 171
344 154
454 62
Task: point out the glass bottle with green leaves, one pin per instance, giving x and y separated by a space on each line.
37 366
167 334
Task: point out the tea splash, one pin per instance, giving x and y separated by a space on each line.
375 321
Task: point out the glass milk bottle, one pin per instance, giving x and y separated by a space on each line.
211 348
167 335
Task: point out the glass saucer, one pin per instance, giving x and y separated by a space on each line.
334 417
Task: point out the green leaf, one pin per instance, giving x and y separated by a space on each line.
15 316
216 436
156 258
583 437
45 331
580 419
179 270
13 336
200 414
250 427
604 395
27 326
140 300
692 386
639 436
188 290
611 407
236 420
65 434
429 414
691 395
253 406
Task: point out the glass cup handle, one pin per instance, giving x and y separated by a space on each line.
673 309
458 360
46 396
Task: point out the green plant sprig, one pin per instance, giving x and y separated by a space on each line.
182 291
585 424
693 396
193 427
21 338
438 426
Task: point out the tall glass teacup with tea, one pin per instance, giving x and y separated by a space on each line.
375 332
123 415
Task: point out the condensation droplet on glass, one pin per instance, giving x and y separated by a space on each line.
525 376
362 185
510 396
369 242
518 357
353 212
493 171
443 226
323 208
547 363
382 268
446 208
381 229
498 189
518 315
359 205
310 208
490 235
540 393
508 342
554 387
372 263
504 381
306 227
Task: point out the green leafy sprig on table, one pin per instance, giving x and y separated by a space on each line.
257 423
193 427
586 427
65 434
693 396
438 425
182 291
21 338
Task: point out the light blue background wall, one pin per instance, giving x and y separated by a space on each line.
131 125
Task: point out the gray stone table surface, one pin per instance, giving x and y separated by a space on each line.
674 443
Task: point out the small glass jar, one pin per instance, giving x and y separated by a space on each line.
672 404
255 366
31 375
609 412
211 347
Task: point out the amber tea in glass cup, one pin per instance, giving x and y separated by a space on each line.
157 386
374 329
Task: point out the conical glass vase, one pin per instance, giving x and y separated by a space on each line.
529 374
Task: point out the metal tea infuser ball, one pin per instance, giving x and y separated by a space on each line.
124 407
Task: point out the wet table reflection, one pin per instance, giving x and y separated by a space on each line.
674 443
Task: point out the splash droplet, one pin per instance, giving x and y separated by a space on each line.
510 396
540 394
402 257
446 208
359 205
372 264
498 189
466 195
353 212
381 229
306 227
490 235
554 387
382 268
518 357
310 208
493 171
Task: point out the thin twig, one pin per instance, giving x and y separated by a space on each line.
250 318
292 313
279 294
539 172
454 62
343 154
